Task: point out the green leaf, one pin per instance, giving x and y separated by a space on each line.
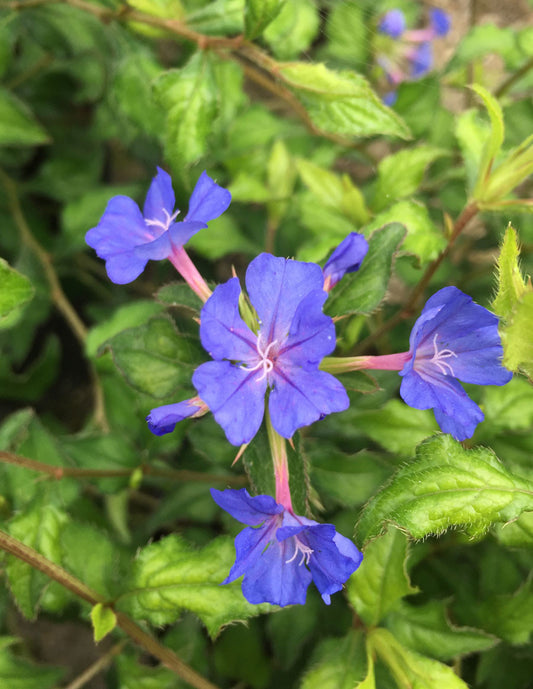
424 239
294 29
362 292
15 291
19 673
189 97
167 9
259 471
219 18
221 238
426 629
38 527
381 580
472 134
516 534
511 284
397 427
494 142
19 127
136 675
347 32
446 486
170 576
516 337
128 316
179 294
337 663
258 14
103 620
409 669
240 653
342 102
400 174
154 358
509 407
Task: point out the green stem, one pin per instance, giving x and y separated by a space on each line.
166 656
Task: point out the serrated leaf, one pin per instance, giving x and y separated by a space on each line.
103 620
337 663
447 486
19 673
170 576
362 292
400 174
15 291
340 102
258 14
19 127
189 97
38 527
397 427
511 284
381 580
412 670
154 358
426 629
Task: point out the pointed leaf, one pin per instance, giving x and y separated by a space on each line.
19 127
104 621
511 284
258 14
15 291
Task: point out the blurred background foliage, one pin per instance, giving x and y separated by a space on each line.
280 101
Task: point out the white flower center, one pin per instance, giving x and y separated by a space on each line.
169 219
299 547
439 358
265 363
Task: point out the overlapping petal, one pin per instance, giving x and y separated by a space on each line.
247 509
160 198
208 200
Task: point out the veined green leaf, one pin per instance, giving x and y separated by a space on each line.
381 580
258 14
18 673
338 663
447 486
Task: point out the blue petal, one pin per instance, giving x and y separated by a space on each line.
346 258
235 396
223 332
440 21
160 197
444 394
245 508
311 335
332 562
390 98
125 267
249 544
156 250
208 200
162 420
181 232
120 229
393 23
301 397
276 286
421 60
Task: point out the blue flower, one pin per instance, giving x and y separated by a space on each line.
440 22
162 420
282 355
280 552
126 238
392 23
346 258
454 339
421 60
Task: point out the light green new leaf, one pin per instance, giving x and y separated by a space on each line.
40 528
294 29
508 407
511 284
516 534
189 97
103 620
400 174
412 670
154 358
495 140
167 9
340 102
426 629
171 576
362 292
258 14
446 486
381 580
337 663
19 673
516 337
18 126
15 291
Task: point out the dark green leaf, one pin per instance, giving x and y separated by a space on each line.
19 127
15 291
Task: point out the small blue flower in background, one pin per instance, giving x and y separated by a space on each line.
346 258
409 55
453 339
126 238
280 553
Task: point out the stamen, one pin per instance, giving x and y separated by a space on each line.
301 548
159 223
266 363
438 357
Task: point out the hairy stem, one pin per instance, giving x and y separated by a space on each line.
165 655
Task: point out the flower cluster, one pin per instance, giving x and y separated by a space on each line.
268 351
409 55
